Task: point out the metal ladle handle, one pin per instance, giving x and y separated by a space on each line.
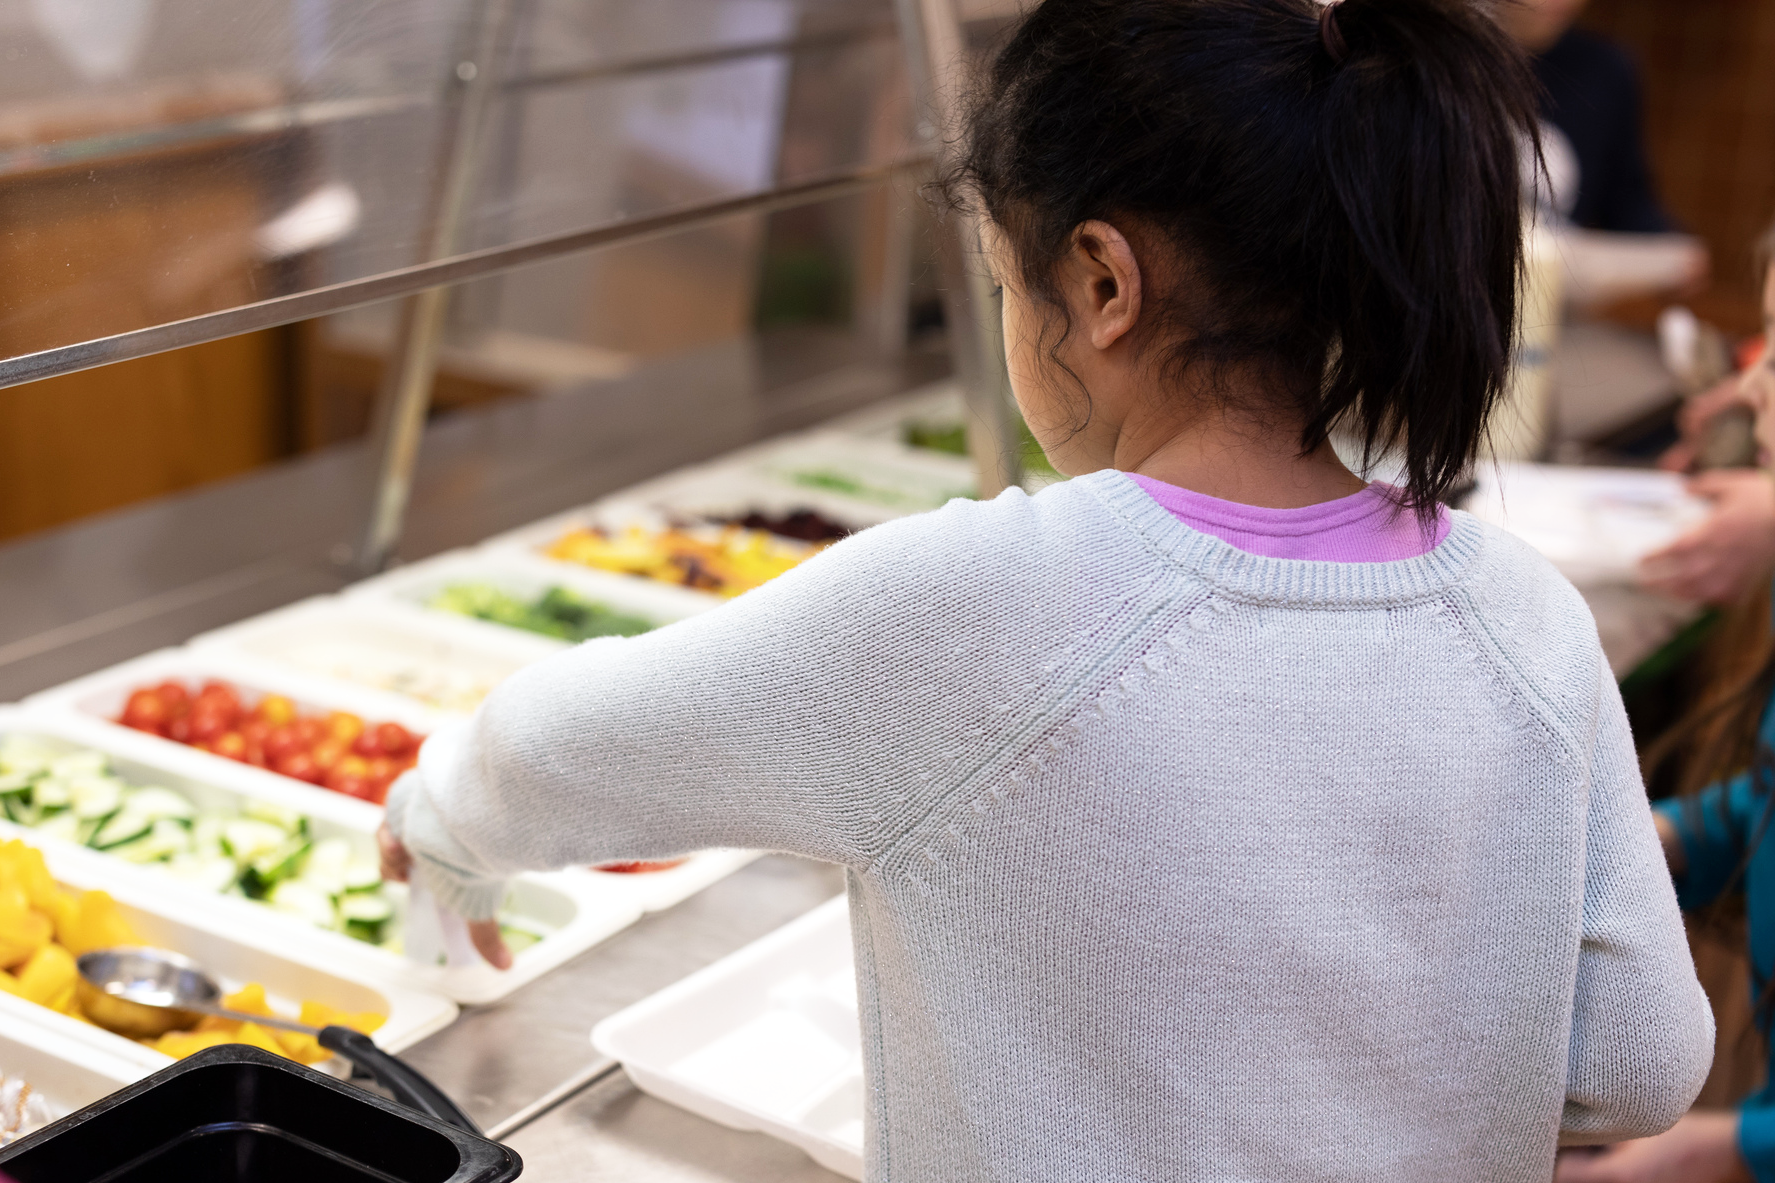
409 1086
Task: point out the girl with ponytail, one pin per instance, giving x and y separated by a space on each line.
1215 814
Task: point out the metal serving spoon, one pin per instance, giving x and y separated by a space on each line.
143 993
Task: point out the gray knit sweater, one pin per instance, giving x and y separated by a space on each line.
1166 861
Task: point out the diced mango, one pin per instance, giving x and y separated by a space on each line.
96 924
48 977
23 929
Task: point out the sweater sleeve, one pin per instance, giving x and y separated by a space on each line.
1642 1031
816 715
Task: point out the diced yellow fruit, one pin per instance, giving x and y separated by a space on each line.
249 999
318 1014
48 976
254 1035
23 929
97 924
25 867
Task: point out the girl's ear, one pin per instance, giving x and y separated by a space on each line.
1105 281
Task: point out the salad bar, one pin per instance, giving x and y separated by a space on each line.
216 803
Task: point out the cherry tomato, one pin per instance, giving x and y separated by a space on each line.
365 744
275 709
345 726
174 695
230 744
146 711
327 752
393 739
301 766
283 741
180 729
255 755
208 723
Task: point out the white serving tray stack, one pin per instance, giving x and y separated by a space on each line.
765 1039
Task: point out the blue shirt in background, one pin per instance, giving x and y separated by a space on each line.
1718 827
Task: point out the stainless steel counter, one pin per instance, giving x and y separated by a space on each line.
499 1060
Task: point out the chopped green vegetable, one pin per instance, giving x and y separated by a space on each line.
264 852
121 827
558 612
93 795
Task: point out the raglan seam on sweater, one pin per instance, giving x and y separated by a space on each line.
1093 706
1031 746
1493 657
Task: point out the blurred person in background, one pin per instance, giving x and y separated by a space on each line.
1590 120
1716 838
1718 560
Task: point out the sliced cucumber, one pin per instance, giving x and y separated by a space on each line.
90 795
206 836
363 875
281 862
247 839
164 839
211 872
63 825
328 864
157 803
17 782
302 899
285 819
51 793
368 931
122 826
19 809
365 907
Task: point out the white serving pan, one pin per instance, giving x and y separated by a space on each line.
66 1073
576 911
425 657
234 953
409 589
765 1039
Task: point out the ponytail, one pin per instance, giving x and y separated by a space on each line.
1340 187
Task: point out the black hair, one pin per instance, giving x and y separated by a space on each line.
1345 207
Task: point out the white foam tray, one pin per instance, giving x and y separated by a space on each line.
408 589
1594 524
234 952
350 641
765 1039
577 910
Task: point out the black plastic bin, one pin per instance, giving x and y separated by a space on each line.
236 1114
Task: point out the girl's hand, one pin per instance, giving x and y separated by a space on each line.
397 866
1701 1148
